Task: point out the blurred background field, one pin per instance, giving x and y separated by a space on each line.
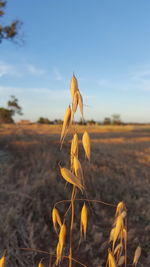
31 183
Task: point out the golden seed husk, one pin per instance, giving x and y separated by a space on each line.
71 178
2 261
74 149
137 254
83 221
86 144
73 85
66 124
56 218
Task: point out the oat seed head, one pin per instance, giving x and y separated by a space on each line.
80 101
40 264
83 221
137 255
118 228
66 124
78 169
73 85
86 144
120 208
74 149
2 261
71 178
111 259
121 260
56 218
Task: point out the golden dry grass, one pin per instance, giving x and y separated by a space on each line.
30 185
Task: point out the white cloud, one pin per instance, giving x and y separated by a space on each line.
8 70
57 75
34 70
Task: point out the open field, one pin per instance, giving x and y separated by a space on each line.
30 184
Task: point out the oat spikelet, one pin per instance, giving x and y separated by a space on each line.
74 149
86 144
118 248
71 178
121 260
56 218
124 232
58 253
111 237
40 264
111 259
137 254
60 244
75 102
66 124
78 169
120 208
83 221
2 261
80 101
73 85
118 228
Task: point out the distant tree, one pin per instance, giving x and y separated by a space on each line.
91 122
58 121
82 122
107 121
6 114
116 119
42 120
8 32
14 106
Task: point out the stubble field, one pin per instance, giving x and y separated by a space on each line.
30 185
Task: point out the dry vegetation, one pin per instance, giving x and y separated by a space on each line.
30 185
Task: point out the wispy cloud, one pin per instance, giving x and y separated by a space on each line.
35 70
137 79
57 75
8 70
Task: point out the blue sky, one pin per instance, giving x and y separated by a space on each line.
106 43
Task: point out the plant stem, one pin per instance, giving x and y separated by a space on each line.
71 225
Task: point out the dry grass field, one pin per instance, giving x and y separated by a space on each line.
30 185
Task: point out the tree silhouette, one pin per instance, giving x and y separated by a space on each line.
14 106
8 32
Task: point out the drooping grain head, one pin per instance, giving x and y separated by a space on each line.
86 144
78 169
40 264
71 178
58 253
75 102
74 149
73 85
121 260
83 221
56 218
137 255
80 101
120 208
62 235
111 259
2 261
119 225
66 124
